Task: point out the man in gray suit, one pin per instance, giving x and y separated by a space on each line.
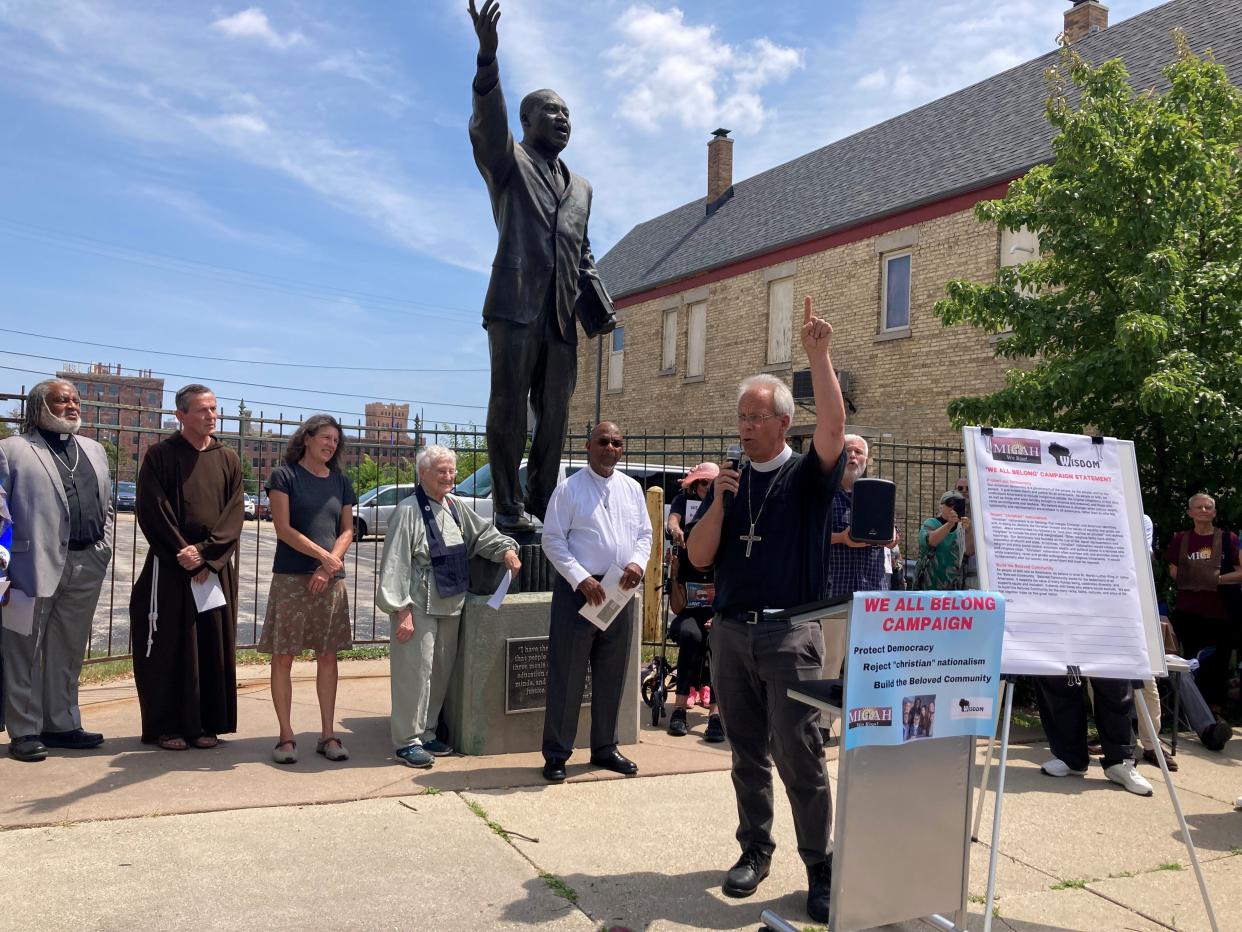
58 491
542 274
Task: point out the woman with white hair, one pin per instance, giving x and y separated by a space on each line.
422 586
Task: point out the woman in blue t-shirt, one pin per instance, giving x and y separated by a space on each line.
308 604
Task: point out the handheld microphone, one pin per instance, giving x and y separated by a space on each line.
733 460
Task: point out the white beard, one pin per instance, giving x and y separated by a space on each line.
58 425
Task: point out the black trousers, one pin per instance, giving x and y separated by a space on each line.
753 667
572 642
691 637
528 360
1198 633
1065 719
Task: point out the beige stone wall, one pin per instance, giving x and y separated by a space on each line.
902 386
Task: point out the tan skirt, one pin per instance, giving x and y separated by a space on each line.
298 621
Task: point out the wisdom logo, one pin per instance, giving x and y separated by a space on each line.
971 707
1015 450
871 715
1064 457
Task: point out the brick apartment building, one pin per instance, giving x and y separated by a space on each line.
124 410
873 227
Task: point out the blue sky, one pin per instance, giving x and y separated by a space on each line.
291 182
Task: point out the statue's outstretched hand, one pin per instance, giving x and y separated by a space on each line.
485 27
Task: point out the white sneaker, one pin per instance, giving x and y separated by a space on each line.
1237 803
1124 774
1058 768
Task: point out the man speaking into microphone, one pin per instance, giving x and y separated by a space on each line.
766 528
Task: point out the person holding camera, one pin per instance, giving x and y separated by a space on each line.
945 542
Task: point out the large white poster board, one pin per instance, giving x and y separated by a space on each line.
1058 529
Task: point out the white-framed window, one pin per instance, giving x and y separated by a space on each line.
1018 246
895 292
668 341
616 359
696 339
780 321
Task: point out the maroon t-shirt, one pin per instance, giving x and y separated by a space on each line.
1204 603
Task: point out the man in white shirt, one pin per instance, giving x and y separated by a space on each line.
596 518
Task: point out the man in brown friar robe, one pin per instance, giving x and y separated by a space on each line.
190 509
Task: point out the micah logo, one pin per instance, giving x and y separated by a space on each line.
1015 450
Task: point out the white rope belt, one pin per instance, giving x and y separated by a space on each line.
153 607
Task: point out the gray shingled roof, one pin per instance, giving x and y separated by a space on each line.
989 132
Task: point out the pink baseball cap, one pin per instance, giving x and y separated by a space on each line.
708 471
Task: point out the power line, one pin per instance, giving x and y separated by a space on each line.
280 406
248 362
279 388
260 280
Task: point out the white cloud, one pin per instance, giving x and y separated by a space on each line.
669 69
252 23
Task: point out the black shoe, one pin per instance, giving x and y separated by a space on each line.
819 892
715 731
613 760
554 771
27 748
76 740
1215 735
744 877
677 726
519 523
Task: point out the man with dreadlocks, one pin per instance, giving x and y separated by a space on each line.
58 493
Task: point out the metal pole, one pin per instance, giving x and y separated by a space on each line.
1000 798
599 374
983 784
1177 808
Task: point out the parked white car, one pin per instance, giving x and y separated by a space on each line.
375 508
475 491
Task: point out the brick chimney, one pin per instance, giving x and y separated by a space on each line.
719 165
1084 18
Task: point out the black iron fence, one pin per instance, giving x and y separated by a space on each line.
383 459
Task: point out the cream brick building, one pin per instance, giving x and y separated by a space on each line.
872 227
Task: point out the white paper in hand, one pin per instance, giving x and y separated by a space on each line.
208 594
615 599
19 613
499 595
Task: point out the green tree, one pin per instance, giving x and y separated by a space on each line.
1128 324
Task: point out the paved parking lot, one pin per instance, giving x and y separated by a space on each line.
110 633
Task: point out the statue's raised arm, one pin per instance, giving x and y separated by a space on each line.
485 27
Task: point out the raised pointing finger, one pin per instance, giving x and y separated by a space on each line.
806 310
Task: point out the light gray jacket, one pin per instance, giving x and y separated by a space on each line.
31 489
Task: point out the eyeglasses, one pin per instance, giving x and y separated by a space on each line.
962 488
754 420
606 442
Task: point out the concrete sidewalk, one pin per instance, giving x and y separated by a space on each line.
483 843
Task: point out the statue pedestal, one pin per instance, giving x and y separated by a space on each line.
501 657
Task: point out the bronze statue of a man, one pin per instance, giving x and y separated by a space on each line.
543 275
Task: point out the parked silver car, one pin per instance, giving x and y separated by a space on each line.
375 507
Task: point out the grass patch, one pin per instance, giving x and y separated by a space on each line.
558 886
432 791
1169 866
1071 885
977 899
494 826
1123 875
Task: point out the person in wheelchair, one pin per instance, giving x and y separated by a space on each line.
690 596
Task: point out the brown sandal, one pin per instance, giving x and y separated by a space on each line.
172 743
205 742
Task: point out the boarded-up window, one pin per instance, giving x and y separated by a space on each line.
668 344
696 339
780 320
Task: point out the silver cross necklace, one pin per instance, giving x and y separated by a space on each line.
752 538
77 457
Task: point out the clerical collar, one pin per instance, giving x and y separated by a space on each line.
775 463
60 440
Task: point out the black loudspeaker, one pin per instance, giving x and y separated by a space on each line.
874 510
